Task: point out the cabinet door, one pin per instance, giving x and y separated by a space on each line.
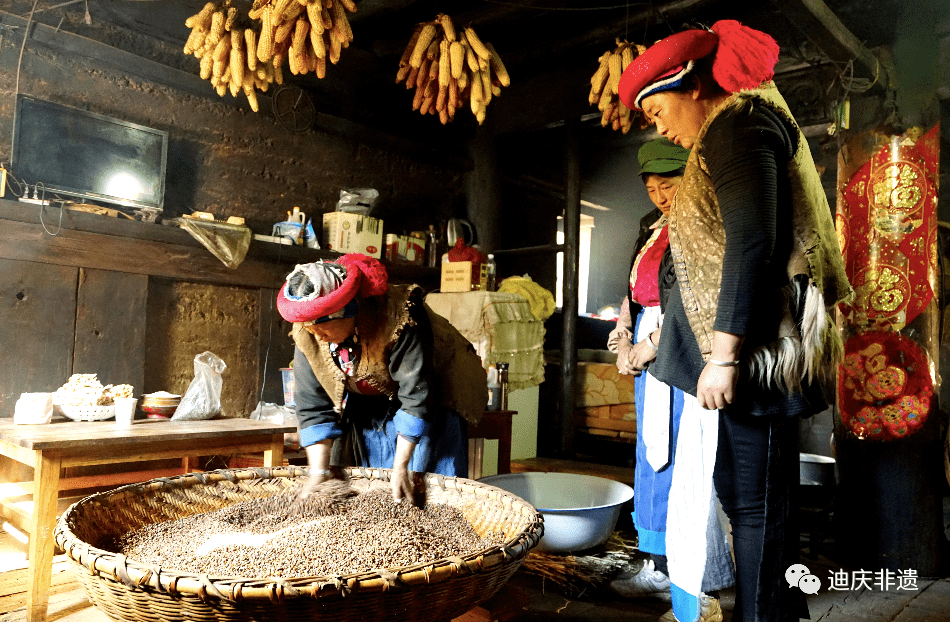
37 321
110 327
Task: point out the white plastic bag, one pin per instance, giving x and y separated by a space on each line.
357 200
202 400
33 408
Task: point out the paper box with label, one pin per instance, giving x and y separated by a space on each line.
463 276
353 233
405 249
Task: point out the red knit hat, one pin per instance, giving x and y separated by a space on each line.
744 59
363 276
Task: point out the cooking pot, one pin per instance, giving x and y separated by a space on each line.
459 227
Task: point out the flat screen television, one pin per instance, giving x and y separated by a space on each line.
83 154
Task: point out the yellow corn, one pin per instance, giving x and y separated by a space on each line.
293 60
445 64
444 116
252 99
221 50
417 98
423 73
463 81
447 26
498 66
278 74
237 56
217 27
293 11
250 40
402 73
406 53
335 46
434 69
342 23
428 104
316 41
626 57
300 34
456 59
280 52
195 40
207 64
475 94
314 11
613 67
480 115
471 59
477 46
486 86
234 87
442 98
222 88
349 4
599 78
422 43
325 15
321 69
265 46
218 68
202 18
432 52
280 6
283 31
232 16
453 95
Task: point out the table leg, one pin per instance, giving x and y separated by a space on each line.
274 457
42 523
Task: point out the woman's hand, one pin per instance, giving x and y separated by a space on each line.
406 484
717 386
626 359
318 458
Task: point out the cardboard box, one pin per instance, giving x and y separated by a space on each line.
405 249
463 276
353 233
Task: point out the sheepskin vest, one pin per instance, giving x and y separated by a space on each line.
697 238
459 382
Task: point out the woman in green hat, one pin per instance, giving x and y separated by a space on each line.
659 406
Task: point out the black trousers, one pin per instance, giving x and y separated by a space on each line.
756 477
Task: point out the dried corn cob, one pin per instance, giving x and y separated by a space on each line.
447 26
605 84
265 45
202 18
250 41
422 43
477 46
498 66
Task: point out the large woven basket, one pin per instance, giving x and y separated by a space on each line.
127 590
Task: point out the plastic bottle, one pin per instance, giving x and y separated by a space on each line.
491 270
494 389
432 247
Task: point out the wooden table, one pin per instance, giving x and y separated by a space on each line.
494 424
49 448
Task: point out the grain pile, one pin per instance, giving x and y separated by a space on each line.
333 533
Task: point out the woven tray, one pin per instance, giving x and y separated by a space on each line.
438 591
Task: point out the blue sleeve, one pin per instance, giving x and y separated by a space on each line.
317 420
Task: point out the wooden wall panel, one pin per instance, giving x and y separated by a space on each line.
110 327
37 320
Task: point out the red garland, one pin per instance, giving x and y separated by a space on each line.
884 386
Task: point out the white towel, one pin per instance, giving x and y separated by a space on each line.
655 427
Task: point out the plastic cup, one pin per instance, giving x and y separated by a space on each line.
125 410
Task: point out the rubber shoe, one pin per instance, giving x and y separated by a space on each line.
709 611
648 582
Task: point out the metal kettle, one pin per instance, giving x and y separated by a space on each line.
459 228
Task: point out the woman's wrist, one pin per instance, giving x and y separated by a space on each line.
649 340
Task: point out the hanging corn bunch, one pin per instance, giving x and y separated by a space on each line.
450 69
307 33
605 83
249 59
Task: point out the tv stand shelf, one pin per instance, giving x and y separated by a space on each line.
131 246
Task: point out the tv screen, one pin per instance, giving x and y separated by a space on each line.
83 154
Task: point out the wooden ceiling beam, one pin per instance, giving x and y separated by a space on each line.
823 28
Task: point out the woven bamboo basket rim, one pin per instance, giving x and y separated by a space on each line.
116 567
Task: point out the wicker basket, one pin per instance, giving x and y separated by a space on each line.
440 590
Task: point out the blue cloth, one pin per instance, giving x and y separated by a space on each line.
443 450
651 489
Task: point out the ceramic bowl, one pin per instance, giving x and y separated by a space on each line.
160 406
580 511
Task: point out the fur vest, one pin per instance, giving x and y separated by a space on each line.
459 379
808 342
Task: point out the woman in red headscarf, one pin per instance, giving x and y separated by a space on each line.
379 379
758 266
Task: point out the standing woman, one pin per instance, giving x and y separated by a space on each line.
659 407
757 263
379 380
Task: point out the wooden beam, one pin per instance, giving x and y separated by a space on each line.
823 28
572 228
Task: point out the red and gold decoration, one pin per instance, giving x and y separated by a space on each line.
889 242
450 69
887 228
884 388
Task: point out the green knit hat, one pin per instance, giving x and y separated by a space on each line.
661 156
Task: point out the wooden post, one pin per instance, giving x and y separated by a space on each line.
572 229
45 486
